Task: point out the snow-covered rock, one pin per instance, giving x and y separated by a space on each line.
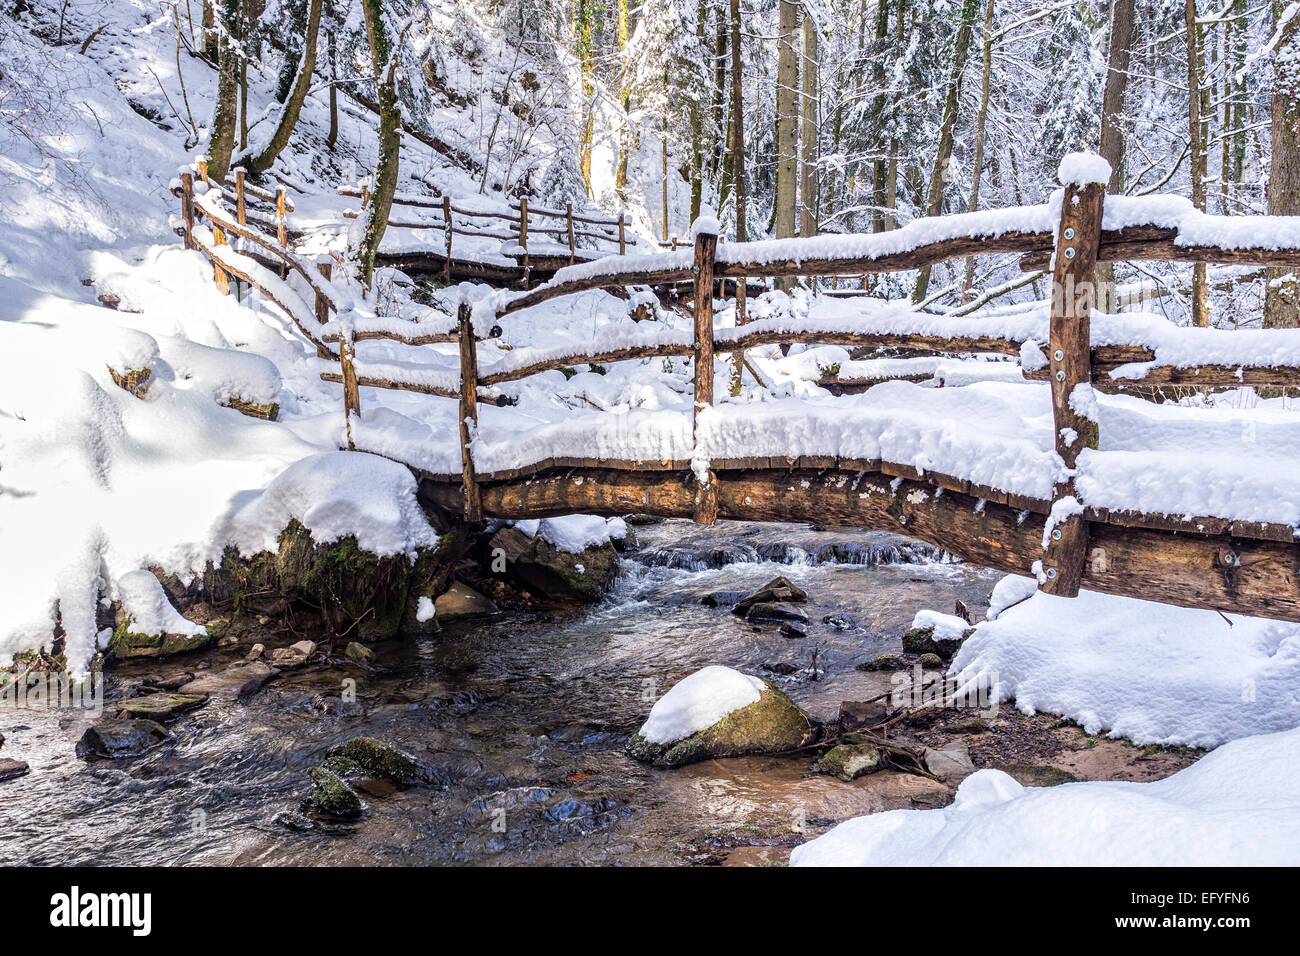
719 712
1238 806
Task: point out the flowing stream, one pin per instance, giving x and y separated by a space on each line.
524 715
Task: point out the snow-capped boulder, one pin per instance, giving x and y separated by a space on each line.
720 712
150 626
569 568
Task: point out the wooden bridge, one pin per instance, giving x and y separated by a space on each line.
520 265
1206 561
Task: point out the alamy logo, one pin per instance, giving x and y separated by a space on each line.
74 909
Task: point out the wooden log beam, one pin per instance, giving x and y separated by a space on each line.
1212 571
1070 355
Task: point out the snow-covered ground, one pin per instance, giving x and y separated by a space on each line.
97 485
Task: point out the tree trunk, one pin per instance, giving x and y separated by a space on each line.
947 127
1282 298
739 187
1200 293
225 113
625 102
584 36
384 61
663 168
1112 136
787 119
332 136
808 186
262 161
981 123
880 165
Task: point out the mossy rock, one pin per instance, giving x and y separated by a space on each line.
162 706
554 574
850 761
921 640
885 662
358 592
1034 775
127 643
127 737
771 724
358 653
372 757
331 795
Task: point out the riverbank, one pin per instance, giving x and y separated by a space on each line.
524 715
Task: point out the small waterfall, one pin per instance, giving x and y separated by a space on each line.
834 552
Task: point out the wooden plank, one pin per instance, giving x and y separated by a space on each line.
1070 356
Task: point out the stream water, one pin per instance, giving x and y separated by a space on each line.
525 716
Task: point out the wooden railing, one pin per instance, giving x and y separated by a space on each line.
568 226
1078 244
1203 561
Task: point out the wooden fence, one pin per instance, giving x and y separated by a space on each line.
522 222
1200 561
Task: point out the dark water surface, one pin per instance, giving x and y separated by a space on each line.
525 714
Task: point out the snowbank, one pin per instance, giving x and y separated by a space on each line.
1238 806
1136 669
334 495
698 702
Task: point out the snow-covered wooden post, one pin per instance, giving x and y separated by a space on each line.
622 233
1065 540
187 207
446 217
241 213
326 268
203 171
348 370
281 223
706 249
523 234
219 275
568 211
468 412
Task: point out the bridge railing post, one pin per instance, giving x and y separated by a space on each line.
622 233
351 392
241 211
446 216
706 249
326 268
568 211
468 411
187 207
1065 542
523 235
219 275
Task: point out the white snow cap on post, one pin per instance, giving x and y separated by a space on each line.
1083 169
705 225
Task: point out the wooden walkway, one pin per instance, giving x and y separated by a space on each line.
1208 561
